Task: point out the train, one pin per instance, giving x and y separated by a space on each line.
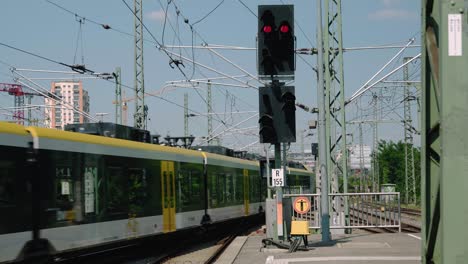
76 190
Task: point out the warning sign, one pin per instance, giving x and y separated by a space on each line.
301 205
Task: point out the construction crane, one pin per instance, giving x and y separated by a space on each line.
17 91
123 104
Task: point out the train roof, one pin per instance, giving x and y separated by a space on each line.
10 128
70 141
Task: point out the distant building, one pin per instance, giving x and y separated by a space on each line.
305 158
355 157
73 96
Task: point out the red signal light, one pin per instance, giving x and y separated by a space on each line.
284 28
267 29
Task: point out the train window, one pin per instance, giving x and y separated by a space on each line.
189 189
254 187
63 189
239 185
7 190
137 190
221 187
116 192
229 188
185 188
212 183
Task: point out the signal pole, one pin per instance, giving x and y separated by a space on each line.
276 61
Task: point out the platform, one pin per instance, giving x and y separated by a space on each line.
359 247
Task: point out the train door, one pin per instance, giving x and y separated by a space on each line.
246 191
168 195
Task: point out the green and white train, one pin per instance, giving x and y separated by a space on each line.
95 189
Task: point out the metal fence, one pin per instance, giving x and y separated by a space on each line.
366 210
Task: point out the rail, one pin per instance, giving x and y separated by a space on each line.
365 210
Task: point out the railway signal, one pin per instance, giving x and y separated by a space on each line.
276 41
277 113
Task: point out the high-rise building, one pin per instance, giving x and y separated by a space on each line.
73 97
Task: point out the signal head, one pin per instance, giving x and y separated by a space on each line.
267 29
284 28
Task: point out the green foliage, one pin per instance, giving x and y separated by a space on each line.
391 157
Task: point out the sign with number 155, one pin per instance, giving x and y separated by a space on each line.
277 177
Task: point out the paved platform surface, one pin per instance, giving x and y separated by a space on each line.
359 247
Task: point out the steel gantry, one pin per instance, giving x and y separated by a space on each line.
335 102
444 141
141 109
410 179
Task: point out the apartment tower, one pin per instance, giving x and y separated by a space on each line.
73 97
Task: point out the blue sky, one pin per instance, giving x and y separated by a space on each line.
40 27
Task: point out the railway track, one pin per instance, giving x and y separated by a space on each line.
207 253
409 211
407 223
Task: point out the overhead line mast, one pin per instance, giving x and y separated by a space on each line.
335 103
141 109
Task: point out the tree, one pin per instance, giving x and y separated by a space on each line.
391 157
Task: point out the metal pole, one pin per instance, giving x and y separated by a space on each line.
186 132
376 145
279 195
344 150
267 150
29 110
118 96
140 107
325 216
361 159
409 154
302 147
210 117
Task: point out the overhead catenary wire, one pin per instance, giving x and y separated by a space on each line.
177 35
161 47
102 25
105 26
209 13
44 92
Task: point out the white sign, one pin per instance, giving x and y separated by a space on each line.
65 188
277 177
455 34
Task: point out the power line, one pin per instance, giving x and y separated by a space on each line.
33 54
209 13
194 32
255 15
104 26
155 41
78 68
300 29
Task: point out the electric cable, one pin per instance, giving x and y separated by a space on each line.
209 13
255 15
